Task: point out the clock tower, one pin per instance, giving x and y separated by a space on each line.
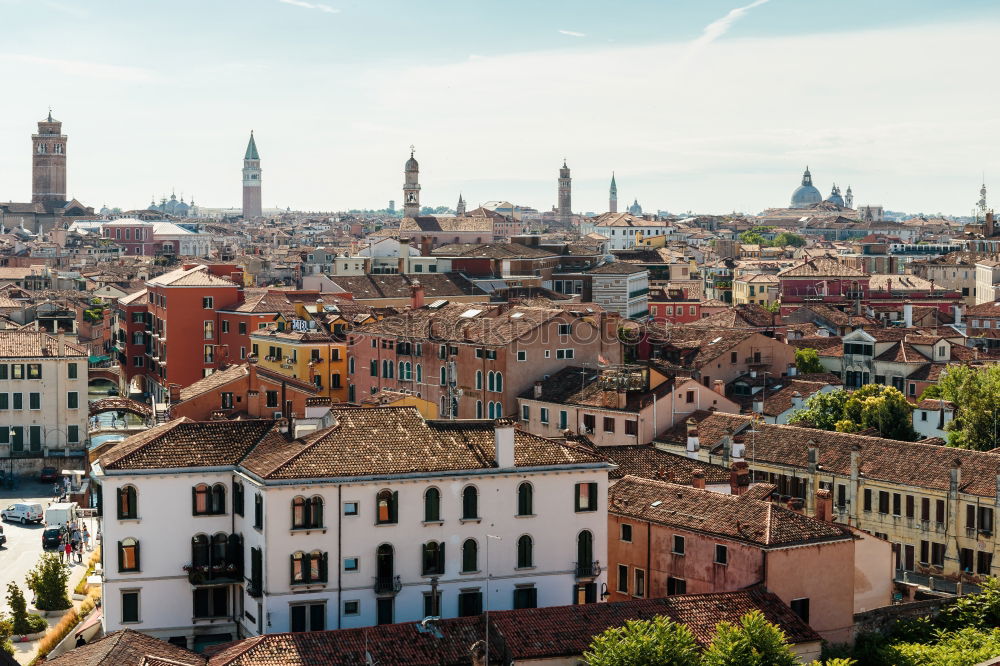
411 187
251 181
565 194
48 162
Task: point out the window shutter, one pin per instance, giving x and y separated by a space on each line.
120 492
592 497
440 558
194 501
323 567
138 566
970 515
121 560
291 568
394 507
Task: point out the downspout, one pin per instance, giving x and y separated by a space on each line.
340 519
236 589
649 559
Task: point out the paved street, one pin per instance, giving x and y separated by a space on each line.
24 542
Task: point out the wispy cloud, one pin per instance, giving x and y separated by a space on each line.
572 34
718 28
311 5
95 70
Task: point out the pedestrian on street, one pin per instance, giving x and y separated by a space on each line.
68 548
86 538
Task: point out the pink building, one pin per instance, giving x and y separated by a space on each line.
666 539
473 360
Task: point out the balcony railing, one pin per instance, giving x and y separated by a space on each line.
588 569
254 588
214 574
388 585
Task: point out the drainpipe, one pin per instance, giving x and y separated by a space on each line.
340 519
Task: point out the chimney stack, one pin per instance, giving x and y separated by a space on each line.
416 294
739 477
622 396
175 393
908 314
956 474
61 343
425 246
538 391
719 387
795 504
824 505
698 478
796 400
957 312
693 443
503 442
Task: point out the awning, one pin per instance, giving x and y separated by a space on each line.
99 359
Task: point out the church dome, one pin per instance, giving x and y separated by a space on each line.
805 194
835 197
411 164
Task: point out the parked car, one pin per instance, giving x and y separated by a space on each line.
3 537
23 513
49 475
50 538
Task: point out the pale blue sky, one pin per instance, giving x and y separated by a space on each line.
694 107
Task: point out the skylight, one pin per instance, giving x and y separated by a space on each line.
517 315
657 503
469 314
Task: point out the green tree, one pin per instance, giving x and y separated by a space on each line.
807 360
18 609
48 579
965 647
752 238
785 238
753 642
656 642
976 391
883 408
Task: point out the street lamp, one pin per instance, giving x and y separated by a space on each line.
487 613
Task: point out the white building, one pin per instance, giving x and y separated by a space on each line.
931 416
622 229
621 287
349 526
43 396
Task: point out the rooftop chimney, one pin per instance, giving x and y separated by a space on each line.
698 478
957 312
693 443
908 314
796 400
61 343
416 294
719 387
425 246
739 477
175 393
824 505
538 390
503 442
739 446
795 504
622 397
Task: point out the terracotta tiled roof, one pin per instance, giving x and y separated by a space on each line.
616 268
648 462
575 385
738 517
23 343
436 285
214 381
491 251
781 400
198 276
263 301
822 267
698 346
127 648
935 405
566 631
443 224
748 315
918 464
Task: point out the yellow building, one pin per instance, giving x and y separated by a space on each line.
761 289
427 409
299 348
935 504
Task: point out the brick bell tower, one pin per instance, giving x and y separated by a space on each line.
251 181
48 162
565 211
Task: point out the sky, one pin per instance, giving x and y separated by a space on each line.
708 106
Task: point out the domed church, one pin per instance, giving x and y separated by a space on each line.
805 194
835 197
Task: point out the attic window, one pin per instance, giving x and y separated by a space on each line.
657 503
469 314
715 340
437 304
516 315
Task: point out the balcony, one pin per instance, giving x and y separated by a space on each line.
254 588
388 585
638 292
588 569
216 574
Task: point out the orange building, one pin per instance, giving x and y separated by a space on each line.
242 390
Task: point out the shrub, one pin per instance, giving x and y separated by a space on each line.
659 641
18 610
81 587
48 581
58 632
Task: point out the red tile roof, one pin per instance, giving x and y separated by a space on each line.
127 648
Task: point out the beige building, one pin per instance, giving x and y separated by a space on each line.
935 504
761 289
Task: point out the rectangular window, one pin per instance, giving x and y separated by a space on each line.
986 520
925 510
130 606
939 511
350 564
801 608
640 584
72 368
208 303
721 554
937 554
34 401
258 511
307 617
609 424
522 356
910 510
34 371
73 434
352 607
563 419
72 400
525 597
883 501
227 400
586 497
622 579
896 503
676 586
3 371
525 412
17 371
924 551
470 603
350 508
544 415
678 545
626 532
272 398
18 401
984 563
564 329
868 499
632 428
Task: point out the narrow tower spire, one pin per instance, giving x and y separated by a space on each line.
251 181
613 196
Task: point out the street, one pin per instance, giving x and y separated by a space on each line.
24 542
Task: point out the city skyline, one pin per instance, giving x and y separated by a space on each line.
748 94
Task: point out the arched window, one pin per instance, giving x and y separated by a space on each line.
220 543
432 561
470 503
409 371
218 499
128 554
127 508
490 380
585 553
384 567
525 558
525 499
420 374
432 505
402 370
201 499
199 550
470 556
308 567
444 376
373 368
499 384
479 379
479 409
307 512
386 509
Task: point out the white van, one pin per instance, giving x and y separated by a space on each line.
23 513
60 513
